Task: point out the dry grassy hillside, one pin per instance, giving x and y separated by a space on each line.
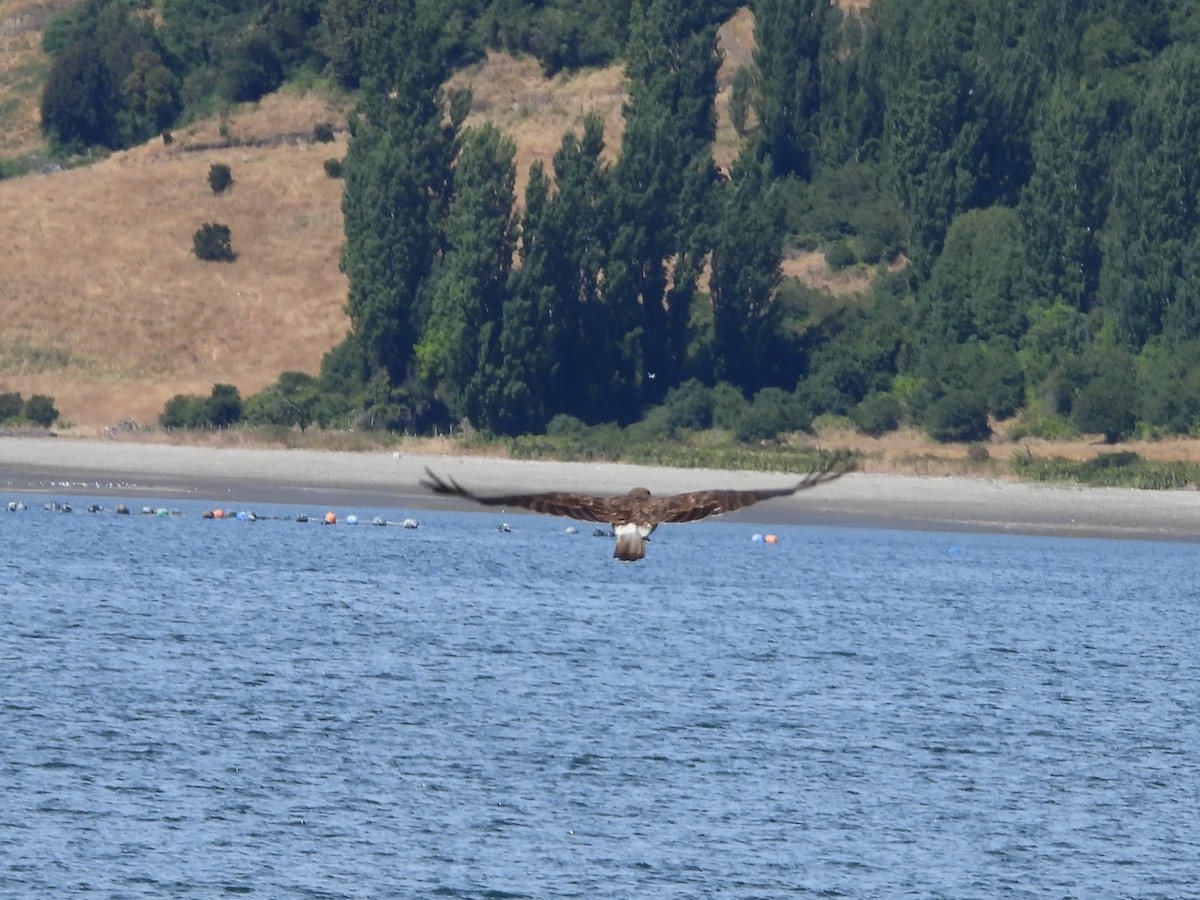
103 304
104 307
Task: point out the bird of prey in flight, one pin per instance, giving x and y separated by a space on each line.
633 516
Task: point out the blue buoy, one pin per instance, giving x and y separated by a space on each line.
352 519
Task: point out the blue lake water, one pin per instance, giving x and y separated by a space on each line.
196 708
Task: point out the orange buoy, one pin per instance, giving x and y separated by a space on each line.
331 518
770 539
218 513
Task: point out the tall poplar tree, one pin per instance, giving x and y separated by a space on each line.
661 188
460 346
747 252
789 34
1151 278
397 173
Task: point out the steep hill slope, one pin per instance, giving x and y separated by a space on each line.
103 305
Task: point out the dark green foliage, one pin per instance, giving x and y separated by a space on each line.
184 411
877 414
689 406
212 242
747 250
1152 270
840 255
789 35
224 405
398 185
772 413
291 401
252 69
110 81
460 347
220 178
222 408
40 410
11 406
660 196
322 133
959 415
333 168
1102 387
1168 386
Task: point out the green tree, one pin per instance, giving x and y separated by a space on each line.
460 347
931 141
959 415
976 287
747 252
397 173
570 230
12 405
660 187
40 410
224 405
788 35
1151 276
291 401
219 178
212 243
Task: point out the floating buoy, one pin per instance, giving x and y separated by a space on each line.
379 520
757 538
352 519
770 539
601 532
301 518
571 529
122 510
162 511
504 526
409 523
218 513
241 516
95 508
208 514
331 518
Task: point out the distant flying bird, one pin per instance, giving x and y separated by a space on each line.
633 516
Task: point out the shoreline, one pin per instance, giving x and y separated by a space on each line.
112 468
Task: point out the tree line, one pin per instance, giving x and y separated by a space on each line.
1027 168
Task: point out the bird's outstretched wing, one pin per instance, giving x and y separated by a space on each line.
639 505
701 504
584 507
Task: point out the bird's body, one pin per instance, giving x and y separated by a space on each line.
633 516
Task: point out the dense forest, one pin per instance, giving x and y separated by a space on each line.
1022 175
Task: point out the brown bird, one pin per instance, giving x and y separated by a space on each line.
635 515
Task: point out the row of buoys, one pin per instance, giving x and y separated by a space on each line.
121 509
765 539
330 518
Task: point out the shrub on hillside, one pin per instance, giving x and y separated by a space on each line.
333 168
877 414
40 410
960 415
220 178
11 406
220 409
212 243
322 133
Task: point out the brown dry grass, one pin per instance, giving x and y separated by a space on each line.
98 271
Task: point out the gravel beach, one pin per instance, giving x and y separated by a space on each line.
342 480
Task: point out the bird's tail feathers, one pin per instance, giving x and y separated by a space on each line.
631 543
